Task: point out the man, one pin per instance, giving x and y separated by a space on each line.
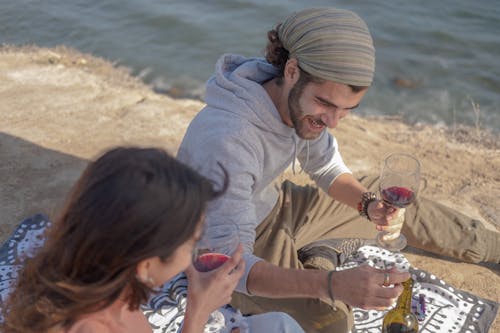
262 115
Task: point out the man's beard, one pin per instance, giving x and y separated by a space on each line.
300 124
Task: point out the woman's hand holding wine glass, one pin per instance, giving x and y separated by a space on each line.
217 268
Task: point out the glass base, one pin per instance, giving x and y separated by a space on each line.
394 245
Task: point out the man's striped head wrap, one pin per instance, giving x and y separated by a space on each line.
331 44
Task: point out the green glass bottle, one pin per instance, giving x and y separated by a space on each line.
401 319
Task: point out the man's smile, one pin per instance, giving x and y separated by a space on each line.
316 125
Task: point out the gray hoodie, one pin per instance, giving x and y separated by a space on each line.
241 129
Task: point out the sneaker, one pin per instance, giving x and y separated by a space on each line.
330 253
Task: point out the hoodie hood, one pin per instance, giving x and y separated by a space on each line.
236 87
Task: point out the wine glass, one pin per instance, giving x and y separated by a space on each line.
216 246
399 182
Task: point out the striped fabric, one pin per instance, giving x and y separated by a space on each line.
332 44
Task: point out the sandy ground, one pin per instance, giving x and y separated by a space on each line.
60 108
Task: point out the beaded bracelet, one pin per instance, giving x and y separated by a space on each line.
366 198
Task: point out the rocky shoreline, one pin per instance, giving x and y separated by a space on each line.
61 108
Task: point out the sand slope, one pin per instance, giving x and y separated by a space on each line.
60 108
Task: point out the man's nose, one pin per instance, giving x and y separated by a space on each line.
331 119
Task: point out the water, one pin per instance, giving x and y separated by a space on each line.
444 54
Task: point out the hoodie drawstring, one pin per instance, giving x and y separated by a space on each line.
295 156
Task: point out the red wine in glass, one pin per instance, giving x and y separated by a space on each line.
216 247
209 261
398 196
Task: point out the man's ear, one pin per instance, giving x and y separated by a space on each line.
292 71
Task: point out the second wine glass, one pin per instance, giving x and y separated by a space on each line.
399 182
216 247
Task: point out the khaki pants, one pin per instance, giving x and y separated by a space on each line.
305 214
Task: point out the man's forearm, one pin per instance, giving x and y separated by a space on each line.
271 281
347 189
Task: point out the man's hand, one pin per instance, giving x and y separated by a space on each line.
382 215
363 286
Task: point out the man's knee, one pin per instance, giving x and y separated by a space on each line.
313 315
289 324
329 319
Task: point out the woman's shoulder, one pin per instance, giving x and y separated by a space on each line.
116 318
89 325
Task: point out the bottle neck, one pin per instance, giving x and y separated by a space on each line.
404 300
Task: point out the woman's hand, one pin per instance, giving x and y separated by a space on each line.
211 290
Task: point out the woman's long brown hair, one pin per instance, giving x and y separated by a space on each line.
128 205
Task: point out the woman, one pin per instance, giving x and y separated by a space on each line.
129 225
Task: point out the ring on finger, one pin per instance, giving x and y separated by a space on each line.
386 280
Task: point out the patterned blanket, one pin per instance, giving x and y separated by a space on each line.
447 309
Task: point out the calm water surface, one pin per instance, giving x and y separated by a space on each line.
433 57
